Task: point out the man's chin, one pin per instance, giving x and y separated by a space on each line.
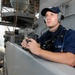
50 26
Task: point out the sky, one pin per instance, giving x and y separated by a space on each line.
1 35
2 32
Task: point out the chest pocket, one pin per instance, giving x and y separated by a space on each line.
58 43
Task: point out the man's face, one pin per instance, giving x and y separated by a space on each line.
51 19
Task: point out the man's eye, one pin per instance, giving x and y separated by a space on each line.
52 14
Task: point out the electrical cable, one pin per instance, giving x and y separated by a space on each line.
43 30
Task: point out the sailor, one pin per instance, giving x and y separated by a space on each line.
58 43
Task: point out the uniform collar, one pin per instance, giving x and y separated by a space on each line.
61 29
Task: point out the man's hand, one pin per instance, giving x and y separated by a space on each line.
32 45
24 43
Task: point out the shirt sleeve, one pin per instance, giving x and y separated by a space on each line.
69 42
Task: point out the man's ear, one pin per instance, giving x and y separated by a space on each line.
60 17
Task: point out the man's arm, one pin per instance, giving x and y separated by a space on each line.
64 58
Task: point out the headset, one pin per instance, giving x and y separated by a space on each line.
44 19
60 17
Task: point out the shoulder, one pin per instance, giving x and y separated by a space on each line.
41 38
45 34
69 41
70 33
